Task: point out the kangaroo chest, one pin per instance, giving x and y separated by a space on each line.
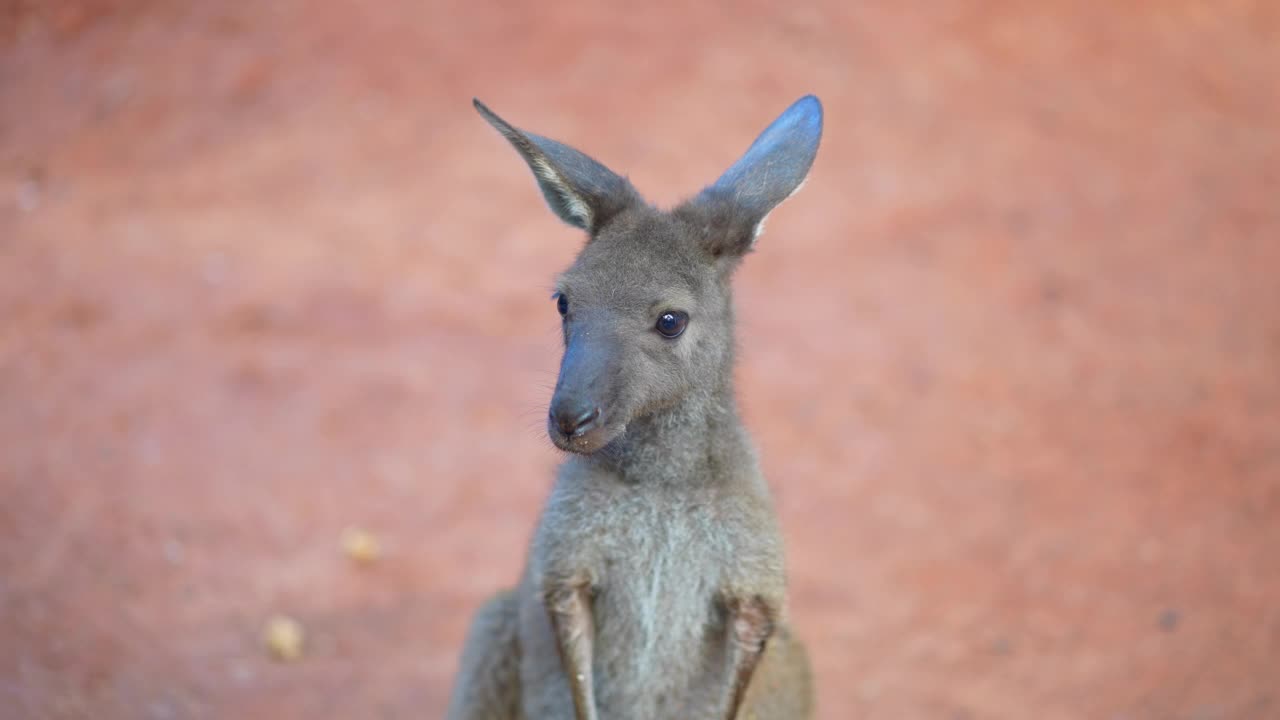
659 633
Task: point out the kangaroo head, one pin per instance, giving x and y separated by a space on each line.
646 305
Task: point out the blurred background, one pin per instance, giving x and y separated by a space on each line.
1012 358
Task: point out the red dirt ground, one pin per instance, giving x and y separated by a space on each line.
1012 358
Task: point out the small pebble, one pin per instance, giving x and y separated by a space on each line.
29 195
360 546
241 674
1149 551
283 637
161 710
173 551
215 269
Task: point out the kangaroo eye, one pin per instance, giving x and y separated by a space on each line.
671 324
562 304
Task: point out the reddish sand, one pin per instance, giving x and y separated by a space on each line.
1012 357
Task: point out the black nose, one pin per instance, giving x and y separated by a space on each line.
574 419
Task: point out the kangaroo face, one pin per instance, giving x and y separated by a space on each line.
646 306
645 316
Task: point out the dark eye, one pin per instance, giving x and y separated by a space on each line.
562 304
671 324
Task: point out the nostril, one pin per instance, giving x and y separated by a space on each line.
586 419
576 423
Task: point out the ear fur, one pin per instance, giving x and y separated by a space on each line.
578 189
731 212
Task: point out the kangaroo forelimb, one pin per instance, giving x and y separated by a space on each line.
750 624
570 610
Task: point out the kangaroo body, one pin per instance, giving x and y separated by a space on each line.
654 586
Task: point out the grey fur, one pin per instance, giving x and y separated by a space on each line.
655 584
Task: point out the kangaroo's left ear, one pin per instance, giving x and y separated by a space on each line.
730 213
579 190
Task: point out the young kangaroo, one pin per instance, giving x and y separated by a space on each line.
654 588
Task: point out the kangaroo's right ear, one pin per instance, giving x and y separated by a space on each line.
581 191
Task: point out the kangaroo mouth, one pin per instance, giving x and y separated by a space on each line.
582 443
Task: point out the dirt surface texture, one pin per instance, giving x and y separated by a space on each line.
271 289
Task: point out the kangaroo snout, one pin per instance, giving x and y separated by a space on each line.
581 407
574 418
576 424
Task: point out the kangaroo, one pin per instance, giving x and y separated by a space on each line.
654 587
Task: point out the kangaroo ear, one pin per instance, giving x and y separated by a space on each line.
581 191
731 212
